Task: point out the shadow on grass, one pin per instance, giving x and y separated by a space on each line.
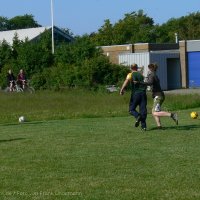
11 140
20 124
33 122
186 127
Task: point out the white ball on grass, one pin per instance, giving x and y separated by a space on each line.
21 119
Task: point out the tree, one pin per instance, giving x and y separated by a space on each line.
104 35
22 22
3 23
33 57
76 52
5 53
187 27
134 27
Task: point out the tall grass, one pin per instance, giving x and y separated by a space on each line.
48 105
182 102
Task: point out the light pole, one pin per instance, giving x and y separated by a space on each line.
176 37
52 29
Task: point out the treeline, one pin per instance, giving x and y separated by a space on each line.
18 22
77 64
137 27
81 63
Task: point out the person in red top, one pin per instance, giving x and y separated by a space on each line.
21 79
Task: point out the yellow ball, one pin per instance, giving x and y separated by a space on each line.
194 115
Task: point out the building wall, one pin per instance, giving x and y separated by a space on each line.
183 61
193 63
141 47
194 69
117 53
185 47
193 45
113 51
160 58
143 59
147 47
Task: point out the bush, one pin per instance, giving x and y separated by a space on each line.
79 64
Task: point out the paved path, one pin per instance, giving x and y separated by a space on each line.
183 91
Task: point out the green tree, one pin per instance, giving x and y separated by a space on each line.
5 53
134 27
105 34
22 22
33 57
3 23
187 27
76 52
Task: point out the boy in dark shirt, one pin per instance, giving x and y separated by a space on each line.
138 96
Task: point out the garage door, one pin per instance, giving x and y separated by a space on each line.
194 69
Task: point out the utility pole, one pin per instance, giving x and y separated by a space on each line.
176 37
52 26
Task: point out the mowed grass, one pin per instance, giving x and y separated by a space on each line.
84 146
100 158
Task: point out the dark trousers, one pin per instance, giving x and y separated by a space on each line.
139 99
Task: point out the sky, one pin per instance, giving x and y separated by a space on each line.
87 16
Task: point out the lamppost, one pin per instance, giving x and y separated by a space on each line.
176 37
52 28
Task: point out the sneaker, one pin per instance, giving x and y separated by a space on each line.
137 122
143 129
160 128
174 116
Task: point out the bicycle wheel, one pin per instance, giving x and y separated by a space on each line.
7 89
29 90
18 89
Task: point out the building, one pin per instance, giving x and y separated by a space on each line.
190 63
33 34
114 50
179 63
169 70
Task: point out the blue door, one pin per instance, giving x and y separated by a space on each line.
194 69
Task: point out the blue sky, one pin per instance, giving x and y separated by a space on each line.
87 16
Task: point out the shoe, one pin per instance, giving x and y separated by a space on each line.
174 116
137 122
160 128
143 129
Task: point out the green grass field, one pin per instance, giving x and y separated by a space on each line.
96 158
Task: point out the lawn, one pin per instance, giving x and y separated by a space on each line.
82 145
75 104
99 159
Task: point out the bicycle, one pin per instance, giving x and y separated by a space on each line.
26 87
13 87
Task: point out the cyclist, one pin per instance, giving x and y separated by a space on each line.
11 80
21 79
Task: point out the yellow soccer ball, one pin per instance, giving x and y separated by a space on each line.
194 115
